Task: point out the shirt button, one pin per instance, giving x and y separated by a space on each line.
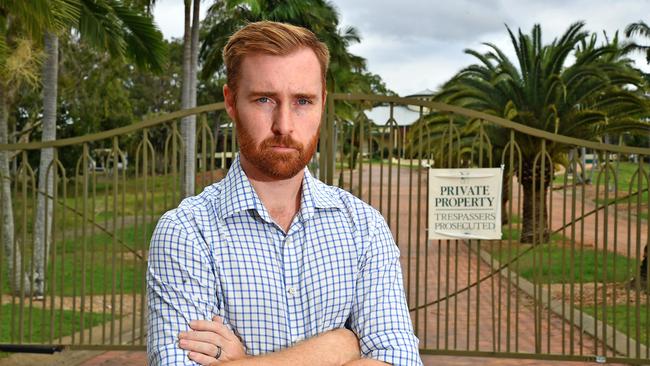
288 242
292 290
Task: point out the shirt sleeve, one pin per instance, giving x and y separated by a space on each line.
180 288
380 315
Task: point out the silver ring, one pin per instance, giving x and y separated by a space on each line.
218 353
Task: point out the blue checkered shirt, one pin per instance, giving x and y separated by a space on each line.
220 253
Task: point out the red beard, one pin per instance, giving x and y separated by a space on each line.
275 164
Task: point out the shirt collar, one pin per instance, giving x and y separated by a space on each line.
317 194
238 195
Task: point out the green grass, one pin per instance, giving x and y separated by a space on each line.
377 164
625 171
588 264
626 321
70 276
95 266
64 323
626 177
100 203
512 232
100 240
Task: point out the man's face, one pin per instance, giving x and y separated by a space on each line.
277 109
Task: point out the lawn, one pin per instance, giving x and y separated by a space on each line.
626 320
626 178
87 259
65 323
552 263
624 171
106 263
104 202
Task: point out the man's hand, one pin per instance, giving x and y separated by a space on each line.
205 338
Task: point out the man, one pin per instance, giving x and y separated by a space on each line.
270 266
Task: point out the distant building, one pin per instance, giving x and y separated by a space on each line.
403 116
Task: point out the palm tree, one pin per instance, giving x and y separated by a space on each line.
320 16
110 25
586 99
123 32
642 29
188 95
22 24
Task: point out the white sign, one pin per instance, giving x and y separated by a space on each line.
465 203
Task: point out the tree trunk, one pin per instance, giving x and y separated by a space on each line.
188 124
194 66
43 222
535 228
643 269
194 63
505 197
11 250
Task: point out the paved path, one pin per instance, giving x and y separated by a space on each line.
118 358
445 268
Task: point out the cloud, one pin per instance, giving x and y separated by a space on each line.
415 44
459 20
419 44
170 17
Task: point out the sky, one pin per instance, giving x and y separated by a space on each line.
419 44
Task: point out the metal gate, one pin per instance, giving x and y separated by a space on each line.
565 282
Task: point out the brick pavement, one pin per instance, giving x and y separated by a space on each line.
118 358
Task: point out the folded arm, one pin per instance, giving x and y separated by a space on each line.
180 288
180 295
336 347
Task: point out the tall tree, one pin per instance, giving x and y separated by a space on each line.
188 98
23 24
45 204
320 16
642 29
540 88
112 26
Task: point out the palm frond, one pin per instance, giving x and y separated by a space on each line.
98 26
144 42
638 28
65 13
599 89
34 16
22 64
